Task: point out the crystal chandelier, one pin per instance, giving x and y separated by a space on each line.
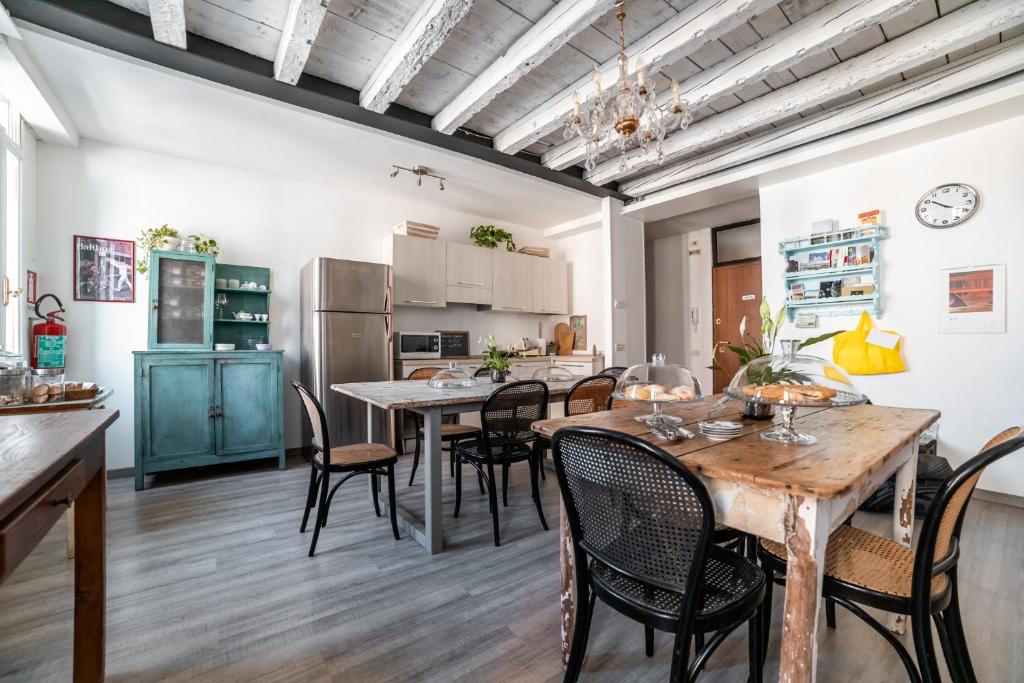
629 114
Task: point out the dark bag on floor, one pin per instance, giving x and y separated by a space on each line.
932 472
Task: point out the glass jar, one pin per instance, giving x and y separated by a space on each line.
47 385
14 380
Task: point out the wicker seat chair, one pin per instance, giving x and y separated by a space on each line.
862 568
615 371
641 526
505 438
374 459
451 432
589 395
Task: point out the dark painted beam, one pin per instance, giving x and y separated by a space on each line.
115 28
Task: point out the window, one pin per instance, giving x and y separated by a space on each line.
10 229
736 242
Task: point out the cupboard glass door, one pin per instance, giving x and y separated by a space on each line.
181 289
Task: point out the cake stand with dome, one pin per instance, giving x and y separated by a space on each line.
656 383
452 377
553 372
790 380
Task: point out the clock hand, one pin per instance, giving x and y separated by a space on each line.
945 206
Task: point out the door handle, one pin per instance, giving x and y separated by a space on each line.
471 284
417 301
8 292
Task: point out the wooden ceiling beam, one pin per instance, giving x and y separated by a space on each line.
419 40
552 31
820 31
168 17
683 34
955 30
301 26
977 69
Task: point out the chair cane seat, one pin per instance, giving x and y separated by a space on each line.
449 431
866 560
358 454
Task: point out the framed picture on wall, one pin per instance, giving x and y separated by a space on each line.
104 269
973 300
578 324
31 287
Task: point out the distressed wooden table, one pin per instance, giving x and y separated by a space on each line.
796 495
47 462
432 404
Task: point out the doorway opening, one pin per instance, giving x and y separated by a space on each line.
735 292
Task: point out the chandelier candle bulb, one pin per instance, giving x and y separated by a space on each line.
640 77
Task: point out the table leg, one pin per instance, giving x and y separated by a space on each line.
370 438
806 535
567 582
432 485
71 531
90 581
903 517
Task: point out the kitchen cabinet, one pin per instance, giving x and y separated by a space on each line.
522 368
550 286
197 408
513 282
470 274
181 300
420 277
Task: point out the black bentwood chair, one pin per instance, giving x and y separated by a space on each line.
589 395
614 371
505 438
864 569
374 459
451 431
642 527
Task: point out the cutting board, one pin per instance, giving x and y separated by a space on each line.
565 337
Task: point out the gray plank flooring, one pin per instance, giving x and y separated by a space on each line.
208 580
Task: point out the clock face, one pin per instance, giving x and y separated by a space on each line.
947 205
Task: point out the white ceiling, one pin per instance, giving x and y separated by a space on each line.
121 101
711 217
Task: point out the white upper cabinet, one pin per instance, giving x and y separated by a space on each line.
419 271
470 274
550 286
513 282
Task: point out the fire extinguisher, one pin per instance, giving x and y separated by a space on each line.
49 337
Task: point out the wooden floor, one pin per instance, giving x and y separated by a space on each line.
208 580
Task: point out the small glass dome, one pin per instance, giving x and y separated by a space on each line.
658 382
790 380
452 377
553 373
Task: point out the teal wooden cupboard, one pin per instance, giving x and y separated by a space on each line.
197 408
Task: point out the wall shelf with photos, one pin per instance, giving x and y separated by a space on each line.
836 273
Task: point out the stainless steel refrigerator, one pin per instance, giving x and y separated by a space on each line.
346 337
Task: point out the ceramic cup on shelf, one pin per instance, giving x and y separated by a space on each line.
263 288
233 284
220 283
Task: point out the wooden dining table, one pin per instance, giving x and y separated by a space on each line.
793 494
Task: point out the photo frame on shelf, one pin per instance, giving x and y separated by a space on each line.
973 300
578 324
104 269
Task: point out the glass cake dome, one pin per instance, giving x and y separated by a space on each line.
790 380
658 382
553 372
452 377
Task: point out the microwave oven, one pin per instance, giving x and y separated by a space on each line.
418 345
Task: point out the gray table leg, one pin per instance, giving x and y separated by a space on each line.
432 483
370 438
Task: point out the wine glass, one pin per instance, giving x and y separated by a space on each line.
222 299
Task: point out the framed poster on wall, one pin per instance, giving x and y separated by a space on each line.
104 269
973 300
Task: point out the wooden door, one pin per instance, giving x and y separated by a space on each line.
735 292
248 400
177 413
513 282
419 271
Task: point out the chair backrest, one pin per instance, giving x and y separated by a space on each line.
938 547
509 411
423 373
317 422
589 395
634 507
482 372
614 371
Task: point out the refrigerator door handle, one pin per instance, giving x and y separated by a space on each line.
387 328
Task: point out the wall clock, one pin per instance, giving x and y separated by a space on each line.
947 205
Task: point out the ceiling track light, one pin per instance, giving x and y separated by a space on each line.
419 171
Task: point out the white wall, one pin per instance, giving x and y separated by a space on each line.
974 379
259 219
625 284
586 289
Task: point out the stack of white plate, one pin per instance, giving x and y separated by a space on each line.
720 429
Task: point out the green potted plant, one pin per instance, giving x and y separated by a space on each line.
751 348
164 237
205 245
490 237
496 359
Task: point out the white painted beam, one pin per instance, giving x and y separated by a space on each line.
554 30
574 227
958 29
969 72
683 34
301 26
168 18
820 31
419 40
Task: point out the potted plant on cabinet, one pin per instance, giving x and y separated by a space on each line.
497 360
164 237
489 237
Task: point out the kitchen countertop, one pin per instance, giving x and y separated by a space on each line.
586 358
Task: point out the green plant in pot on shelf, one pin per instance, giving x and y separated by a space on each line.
751 348
490 237
164 237
496 359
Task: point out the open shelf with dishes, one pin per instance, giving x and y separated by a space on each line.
836 273
242 307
